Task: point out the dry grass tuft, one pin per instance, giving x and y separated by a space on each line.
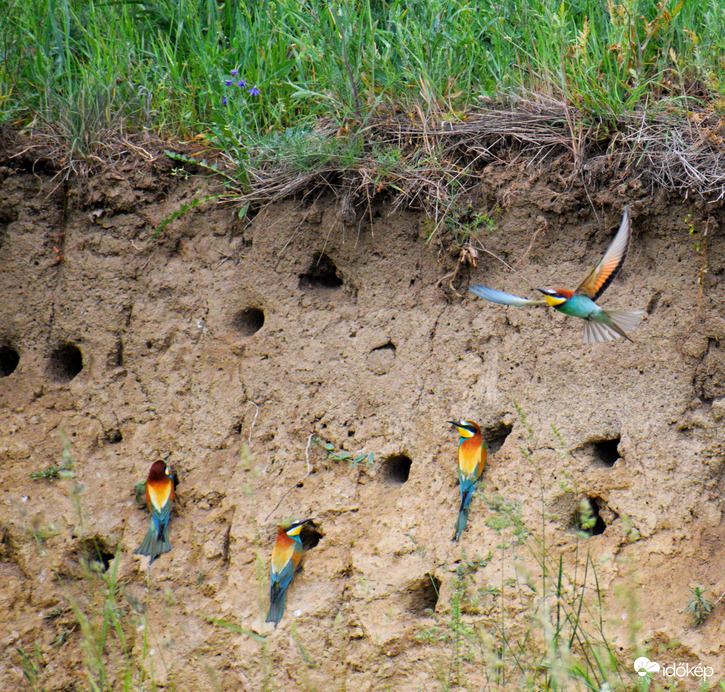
438 159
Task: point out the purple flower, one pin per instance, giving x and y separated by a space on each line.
254 91
224 100
242 83
228 82
235 72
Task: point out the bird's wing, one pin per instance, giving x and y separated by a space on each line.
282 556
482 461
602 275
503 298
284 565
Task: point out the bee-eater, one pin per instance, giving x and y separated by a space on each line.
286 558
160 487
600 325
472 451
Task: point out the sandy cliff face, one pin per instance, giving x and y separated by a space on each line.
231 348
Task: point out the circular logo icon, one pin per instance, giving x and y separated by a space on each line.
643 666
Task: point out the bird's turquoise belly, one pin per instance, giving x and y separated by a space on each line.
580 306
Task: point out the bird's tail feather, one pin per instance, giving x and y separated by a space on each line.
461 523
626 320
153 545
276 608
465 508
618 323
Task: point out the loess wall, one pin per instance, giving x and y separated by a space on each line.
228 347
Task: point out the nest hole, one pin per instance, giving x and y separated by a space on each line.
604 452
388 347
7 545
311 535
495 435
607 451
113 436
322 273
65 362
9 359
396 469
96 553
424 595
248 321
587 517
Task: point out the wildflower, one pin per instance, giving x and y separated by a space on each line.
224 100
242 83
235 72
228 82
254 91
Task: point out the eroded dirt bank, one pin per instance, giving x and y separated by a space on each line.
226 346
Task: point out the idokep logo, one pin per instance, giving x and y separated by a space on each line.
643 666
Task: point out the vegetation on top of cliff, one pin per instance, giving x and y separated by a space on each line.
411 96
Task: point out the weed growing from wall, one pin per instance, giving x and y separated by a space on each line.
55 471
353 459
699 606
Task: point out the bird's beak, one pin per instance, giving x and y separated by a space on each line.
455 423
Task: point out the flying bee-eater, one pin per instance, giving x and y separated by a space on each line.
600 325
472 451
286 558
160 486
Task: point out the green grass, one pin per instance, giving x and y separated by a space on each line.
98 614
543 626
84 68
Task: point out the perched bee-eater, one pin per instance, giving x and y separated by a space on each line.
472 451
160 487
286 558
600 325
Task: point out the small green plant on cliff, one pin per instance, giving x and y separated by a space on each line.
699 606
584 517
354 459
56 471
468 224
177 213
